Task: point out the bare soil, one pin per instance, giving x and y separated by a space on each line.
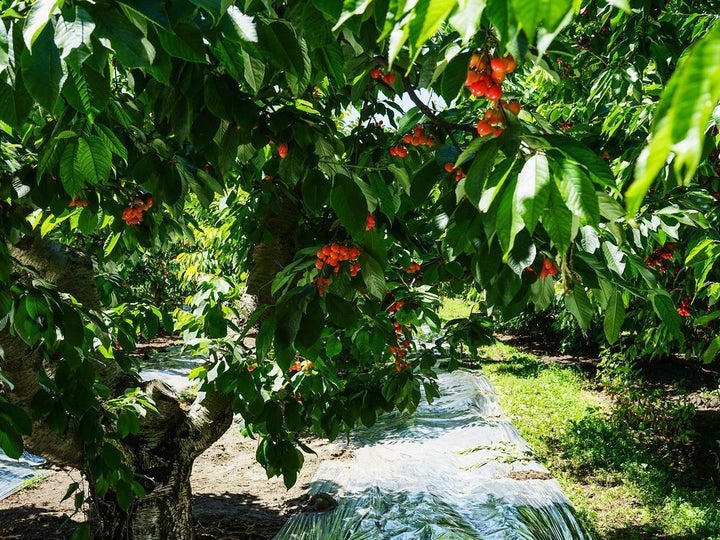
232 497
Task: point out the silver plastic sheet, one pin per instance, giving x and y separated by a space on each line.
454 470
171 367
15 472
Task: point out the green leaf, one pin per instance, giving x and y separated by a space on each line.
621 4
38 18
254 71
528 14
93 159
596 167
17 416
315 190
216 8
542 293
311 325
72 488
341 312
185 42
238 26
426 19
350 8
373 275
614 257
548 14
152 11
349 204
508 222
577 191
681 118
466 19
589 239
132 48
127 424
712 351
480 169
335 62
73 32
124 495
579 305
614 317
110 140
532 192
663 305
10 440
41 69
289 317
423 181
470 149
215 323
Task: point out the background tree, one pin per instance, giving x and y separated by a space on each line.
129 127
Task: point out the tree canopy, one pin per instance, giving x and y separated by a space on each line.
347 164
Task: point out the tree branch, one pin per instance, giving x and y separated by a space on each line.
432 115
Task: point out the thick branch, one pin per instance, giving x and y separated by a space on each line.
432 115
207 420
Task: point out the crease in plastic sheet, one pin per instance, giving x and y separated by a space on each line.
14 472
454 470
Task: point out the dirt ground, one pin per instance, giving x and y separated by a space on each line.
233 498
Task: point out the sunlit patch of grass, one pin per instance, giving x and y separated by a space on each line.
620 489
35 481
456 308
541 399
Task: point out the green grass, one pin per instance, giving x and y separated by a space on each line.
621 489
35 481
455 308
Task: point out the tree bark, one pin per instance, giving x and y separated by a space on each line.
275 252
168 442
165 451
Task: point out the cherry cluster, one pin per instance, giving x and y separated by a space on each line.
414 268
335 254
77 201
401 348
484 78
548 269
322 284
459 173
133 214
305 365
417 137
378 73
684 308
656 260
399 151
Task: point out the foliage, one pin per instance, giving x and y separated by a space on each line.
260 132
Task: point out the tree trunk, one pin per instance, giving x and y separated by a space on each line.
164 451
168 442
275 251
166 512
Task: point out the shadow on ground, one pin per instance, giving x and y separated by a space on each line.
34 523
234 516
226 516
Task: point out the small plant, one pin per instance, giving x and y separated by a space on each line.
662 424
